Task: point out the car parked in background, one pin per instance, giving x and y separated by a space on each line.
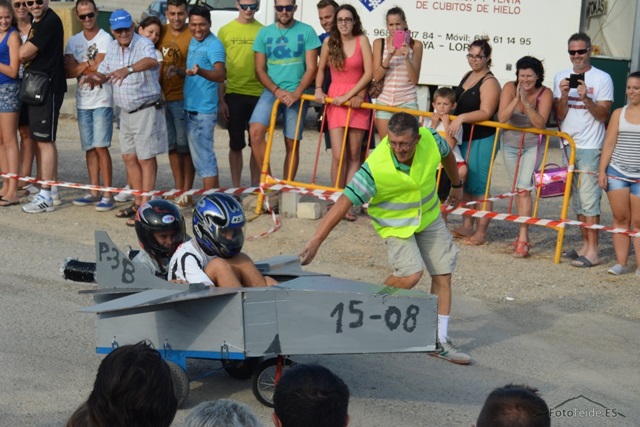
157 8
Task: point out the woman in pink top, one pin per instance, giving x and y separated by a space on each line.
348 54
400 69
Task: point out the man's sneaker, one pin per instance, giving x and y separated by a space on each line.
447 351
57 201
86 200
124 196
38 205
105 205
185 201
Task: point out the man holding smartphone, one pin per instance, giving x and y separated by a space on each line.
584 95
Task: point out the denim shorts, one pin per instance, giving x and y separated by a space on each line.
176 129
585 191
385 115
96 127
200 136
10 97
432 248
262 114
526 165
618 184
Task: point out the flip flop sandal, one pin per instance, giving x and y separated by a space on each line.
522 249
571 254
6 203
582 262
131 222
127 212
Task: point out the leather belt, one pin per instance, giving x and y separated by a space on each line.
158 104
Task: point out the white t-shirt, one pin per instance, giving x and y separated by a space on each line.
457 136
188 264
83 49
586 131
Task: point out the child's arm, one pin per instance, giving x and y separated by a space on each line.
451 139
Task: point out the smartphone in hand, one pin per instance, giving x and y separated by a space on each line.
398 38
573 80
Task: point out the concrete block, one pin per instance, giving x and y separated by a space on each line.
289 204
309 210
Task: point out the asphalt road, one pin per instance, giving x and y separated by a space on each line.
48 360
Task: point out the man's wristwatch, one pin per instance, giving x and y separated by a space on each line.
459 185
130 69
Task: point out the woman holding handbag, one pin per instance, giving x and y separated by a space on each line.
399 66
9 104
619 173
524 103
347 53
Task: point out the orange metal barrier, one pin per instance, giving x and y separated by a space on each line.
423 114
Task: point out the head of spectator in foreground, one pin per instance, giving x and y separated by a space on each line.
8 17
514 406
122 27
310 396
199 22
403 136
528 67
160 228
133 387
221 413
327 13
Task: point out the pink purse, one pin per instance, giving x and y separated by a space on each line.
552 180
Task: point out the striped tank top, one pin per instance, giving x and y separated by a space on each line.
397 89
626 154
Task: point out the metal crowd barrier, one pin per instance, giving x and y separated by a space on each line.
546 134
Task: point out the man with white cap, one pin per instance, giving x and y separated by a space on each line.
130 65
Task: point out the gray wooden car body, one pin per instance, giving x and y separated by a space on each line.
307 313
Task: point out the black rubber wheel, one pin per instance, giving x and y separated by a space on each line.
241 369
180 382
263 382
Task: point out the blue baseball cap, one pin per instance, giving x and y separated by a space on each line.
120 19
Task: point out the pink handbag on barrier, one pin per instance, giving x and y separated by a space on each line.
552 181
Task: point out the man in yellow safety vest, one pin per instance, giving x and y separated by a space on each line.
398 180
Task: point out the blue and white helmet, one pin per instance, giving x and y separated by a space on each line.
218 225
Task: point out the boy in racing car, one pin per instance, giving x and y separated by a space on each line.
160 228
213 257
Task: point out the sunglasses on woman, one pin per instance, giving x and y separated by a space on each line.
249 6
38 2
19 4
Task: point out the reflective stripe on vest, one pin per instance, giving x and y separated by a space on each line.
404 203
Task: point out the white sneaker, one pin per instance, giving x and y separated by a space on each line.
124 196
448 352
38 205
57 201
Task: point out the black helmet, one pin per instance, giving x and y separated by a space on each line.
218 225
159 215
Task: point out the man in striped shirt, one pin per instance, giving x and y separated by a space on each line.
398 180
130 65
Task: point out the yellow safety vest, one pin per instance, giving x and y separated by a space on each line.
404 203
